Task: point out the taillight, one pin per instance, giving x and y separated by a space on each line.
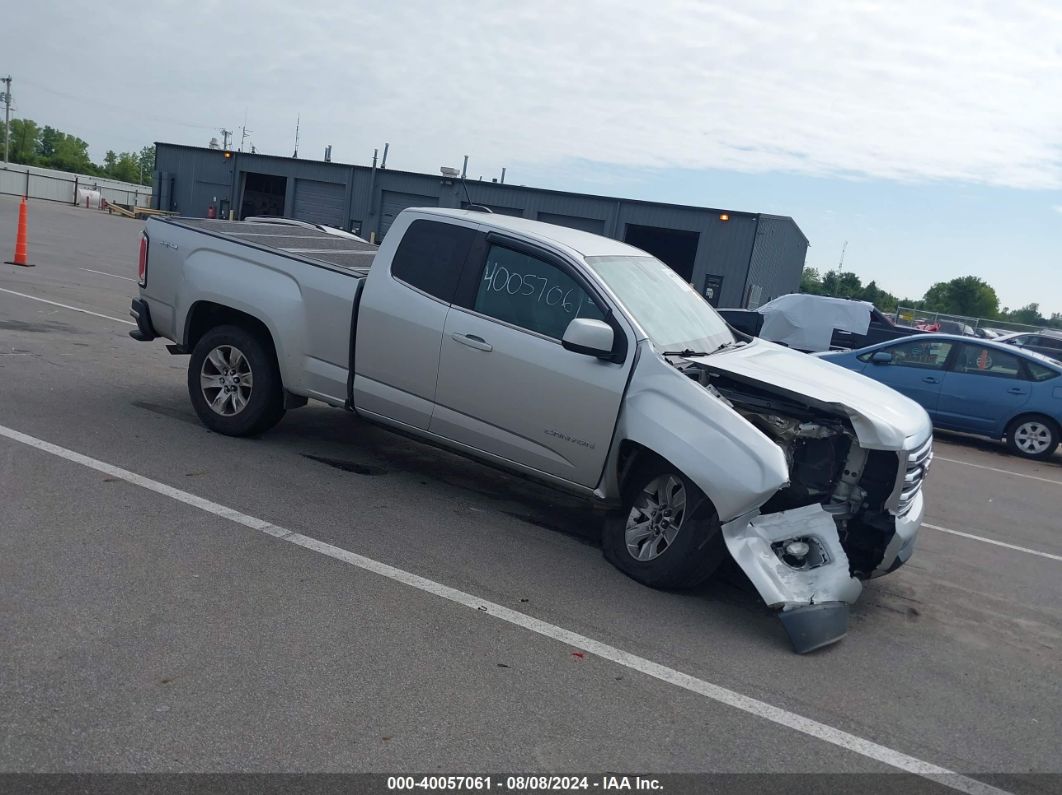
141 270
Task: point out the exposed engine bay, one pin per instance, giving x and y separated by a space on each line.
826 466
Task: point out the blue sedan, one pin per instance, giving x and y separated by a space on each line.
971 385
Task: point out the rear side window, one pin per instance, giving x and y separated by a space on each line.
1053 343
977 360
431 256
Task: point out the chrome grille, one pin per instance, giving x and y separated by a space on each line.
915 469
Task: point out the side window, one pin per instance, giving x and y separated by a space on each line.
988 361
925 355
1051 343
530 293
431 255
1039 372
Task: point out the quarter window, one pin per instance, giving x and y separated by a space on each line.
531 293
1039 372
431 256
988 361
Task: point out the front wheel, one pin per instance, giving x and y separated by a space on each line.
668 533
234 382
1033 437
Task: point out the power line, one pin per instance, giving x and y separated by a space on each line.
99 103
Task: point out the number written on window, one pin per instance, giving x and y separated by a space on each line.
531 293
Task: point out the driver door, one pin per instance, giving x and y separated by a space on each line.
506 386
917 370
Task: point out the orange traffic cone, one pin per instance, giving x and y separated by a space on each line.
23 235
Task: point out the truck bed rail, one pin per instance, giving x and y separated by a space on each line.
299 242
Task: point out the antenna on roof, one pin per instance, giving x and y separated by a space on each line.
451 174
297 120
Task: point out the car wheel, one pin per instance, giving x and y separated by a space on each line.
1033 436
667 534
234 382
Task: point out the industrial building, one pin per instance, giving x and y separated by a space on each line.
733 258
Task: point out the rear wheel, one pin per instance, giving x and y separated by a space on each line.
1033 436
668 533
234 382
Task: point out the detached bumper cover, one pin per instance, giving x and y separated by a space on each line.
751 540
813 597
143 332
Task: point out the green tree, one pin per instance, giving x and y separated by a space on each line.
110 160
811 281
966 295
842 284
127 168
146 159
71 154
882 299
46 143
25 141
1029 314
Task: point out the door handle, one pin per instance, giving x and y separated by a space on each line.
929 379
472 341
1016 390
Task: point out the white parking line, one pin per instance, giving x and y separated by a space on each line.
67 306
112 275
996 469
992 541
722 695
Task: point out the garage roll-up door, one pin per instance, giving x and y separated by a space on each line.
321 202
392 203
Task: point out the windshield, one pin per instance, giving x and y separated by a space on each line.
669 310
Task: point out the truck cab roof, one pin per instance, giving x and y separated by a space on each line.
586 244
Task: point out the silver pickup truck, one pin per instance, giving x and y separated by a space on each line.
568 357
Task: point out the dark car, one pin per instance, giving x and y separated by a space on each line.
1049 343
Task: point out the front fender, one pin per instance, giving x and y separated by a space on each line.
732 462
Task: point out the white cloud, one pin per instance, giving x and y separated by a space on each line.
963 91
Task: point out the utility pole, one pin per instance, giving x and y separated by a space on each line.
244 132
298 120
7 115
840 265
225 134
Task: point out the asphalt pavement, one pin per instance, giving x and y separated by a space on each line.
145 632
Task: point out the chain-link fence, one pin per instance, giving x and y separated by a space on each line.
61 186
957 324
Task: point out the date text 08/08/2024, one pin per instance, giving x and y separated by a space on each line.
523 783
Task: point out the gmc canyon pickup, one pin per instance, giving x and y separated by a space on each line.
571 358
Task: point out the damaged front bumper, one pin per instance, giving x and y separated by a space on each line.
796 562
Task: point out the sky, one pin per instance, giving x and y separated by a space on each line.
926 135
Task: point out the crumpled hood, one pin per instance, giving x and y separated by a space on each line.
883 419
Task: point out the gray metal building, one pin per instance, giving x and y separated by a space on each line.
734 258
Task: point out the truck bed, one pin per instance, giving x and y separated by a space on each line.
301 243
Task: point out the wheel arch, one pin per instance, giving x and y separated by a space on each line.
1022 415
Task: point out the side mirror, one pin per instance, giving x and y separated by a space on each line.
589 337
880 357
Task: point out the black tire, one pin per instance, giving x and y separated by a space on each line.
695 551
263 404
1026 435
